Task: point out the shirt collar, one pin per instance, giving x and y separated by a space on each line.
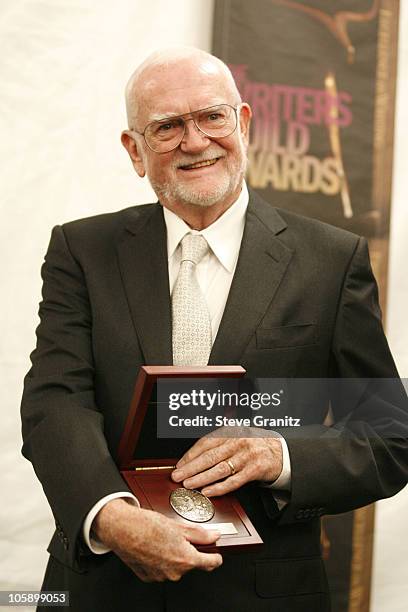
223 236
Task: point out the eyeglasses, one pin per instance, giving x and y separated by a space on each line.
215 121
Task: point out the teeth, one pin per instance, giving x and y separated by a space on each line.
208 162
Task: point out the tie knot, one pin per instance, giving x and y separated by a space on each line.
193 248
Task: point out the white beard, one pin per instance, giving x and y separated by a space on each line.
181 193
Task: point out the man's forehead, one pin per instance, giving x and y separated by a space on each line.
179 100
179 84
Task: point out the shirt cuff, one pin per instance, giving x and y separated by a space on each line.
92 542
283 482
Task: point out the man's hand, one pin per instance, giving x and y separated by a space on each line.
155 547
236 456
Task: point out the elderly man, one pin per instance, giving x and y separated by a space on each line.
281 295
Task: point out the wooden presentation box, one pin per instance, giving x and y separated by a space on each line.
150 478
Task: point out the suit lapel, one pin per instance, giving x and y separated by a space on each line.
142 255
262 263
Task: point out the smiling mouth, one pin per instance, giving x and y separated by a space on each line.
201 164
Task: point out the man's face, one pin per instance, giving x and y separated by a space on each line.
201 171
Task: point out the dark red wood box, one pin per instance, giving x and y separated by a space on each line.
149 479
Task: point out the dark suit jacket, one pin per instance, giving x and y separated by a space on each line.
303 303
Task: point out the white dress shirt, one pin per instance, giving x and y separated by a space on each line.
214 275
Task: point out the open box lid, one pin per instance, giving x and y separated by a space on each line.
146 379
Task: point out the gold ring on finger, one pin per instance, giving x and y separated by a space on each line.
231 466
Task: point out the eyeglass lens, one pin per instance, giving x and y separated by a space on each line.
216 121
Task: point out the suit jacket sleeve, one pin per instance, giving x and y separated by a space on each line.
62 426
363 457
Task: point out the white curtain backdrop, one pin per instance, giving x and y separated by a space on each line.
390 571
63 67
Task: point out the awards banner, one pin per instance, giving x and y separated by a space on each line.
320 78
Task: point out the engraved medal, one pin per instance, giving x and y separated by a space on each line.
192 505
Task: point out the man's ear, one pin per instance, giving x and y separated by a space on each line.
132 148
245 115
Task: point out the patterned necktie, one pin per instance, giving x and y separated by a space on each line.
191 319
